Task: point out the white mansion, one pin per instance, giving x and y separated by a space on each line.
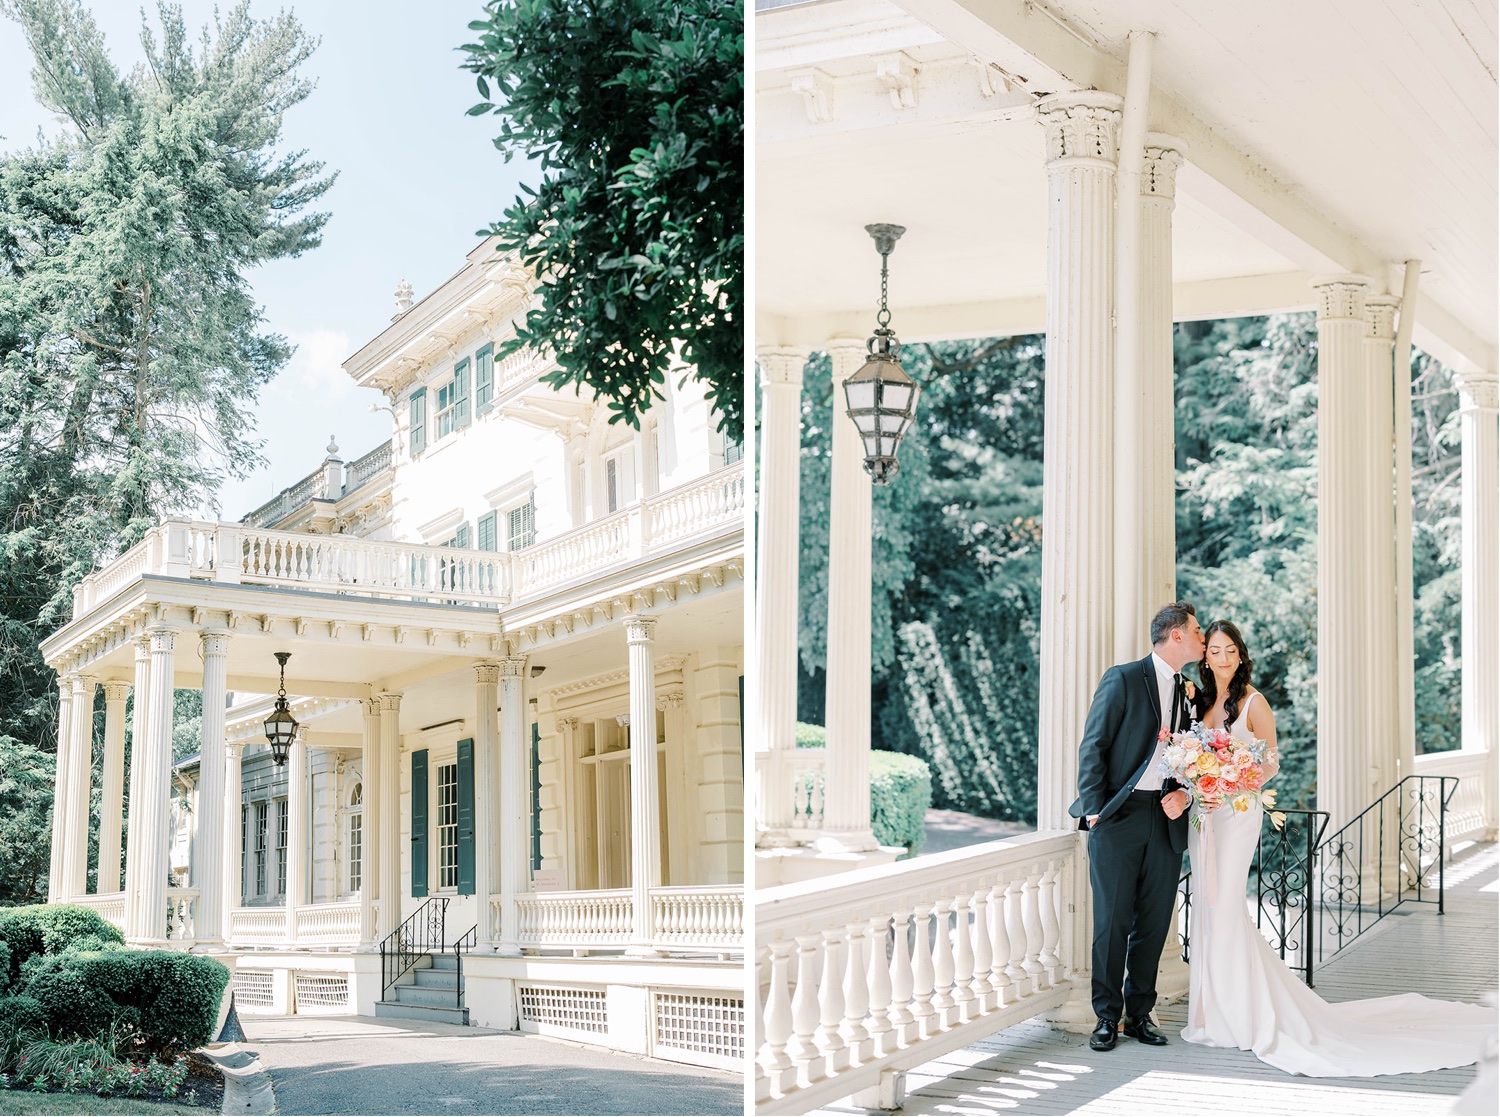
516 658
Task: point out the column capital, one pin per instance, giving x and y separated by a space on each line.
142 644
82 682
512 667
163 637
486 674
1478 391
669 700
639 629
1081 127
1380 317
116 692
371 706
1164 154
846 343
1341 296
781 365
390 702
214 641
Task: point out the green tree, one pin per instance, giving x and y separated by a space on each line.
634 111
130 344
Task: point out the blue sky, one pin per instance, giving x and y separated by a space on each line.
417 179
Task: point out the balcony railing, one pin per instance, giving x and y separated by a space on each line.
709 917
328 924
110 906
347 564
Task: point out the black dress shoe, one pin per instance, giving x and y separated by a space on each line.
1103 1036
1145 1031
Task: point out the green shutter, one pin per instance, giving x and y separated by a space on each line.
419 823
461 394
484 378
487 540
536 797
742 719
461 538
466 817
418 421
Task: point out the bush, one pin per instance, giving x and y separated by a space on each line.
900 793
811 736
51 929
171 999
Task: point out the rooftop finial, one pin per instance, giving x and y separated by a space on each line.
403 298
333 447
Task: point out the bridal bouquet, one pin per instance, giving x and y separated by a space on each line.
1218 770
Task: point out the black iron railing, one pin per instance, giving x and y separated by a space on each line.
461 946
421 935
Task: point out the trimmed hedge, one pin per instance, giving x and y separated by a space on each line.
900 791
51 929
170 998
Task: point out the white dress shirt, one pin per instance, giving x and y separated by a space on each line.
1166 685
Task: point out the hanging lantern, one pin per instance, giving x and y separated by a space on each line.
881 398
281 727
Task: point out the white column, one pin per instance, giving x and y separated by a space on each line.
136 807
390 808
111 811
515 805
486 802
371 824
645 823
296 831
80 778
56 889
209 856
1158 382
1077 514
1479 527
234 853
1343 594
774 681
846 810
153 843
1380 534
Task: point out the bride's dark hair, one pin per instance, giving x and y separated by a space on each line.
1238 683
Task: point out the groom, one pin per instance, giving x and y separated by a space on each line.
1137 831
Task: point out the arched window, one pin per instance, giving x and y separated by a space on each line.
356 837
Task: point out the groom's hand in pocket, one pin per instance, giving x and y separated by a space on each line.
1175 803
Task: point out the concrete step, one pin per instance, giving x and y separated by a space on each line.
444 961
425 995
431 1013
436 979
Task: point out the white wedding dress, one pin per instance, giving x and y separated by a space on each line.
1241 994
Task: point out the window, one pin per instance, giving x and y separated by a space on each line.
487 541
522 526
356 837
261 812
281 821
239 885
619 480
453 401
484 379
418 421
733 451
447 825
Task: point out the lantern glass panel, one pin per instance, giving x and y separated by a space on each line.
896 396
860 393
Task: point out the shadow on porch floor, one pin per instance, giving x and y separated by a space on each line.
1033 1069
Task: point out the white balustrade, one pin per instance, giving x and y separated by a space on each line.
807 768
110 906
518 368
257 926
363 469
712 918
328 924
1465 821
592 547
882 969
573 920
698 506
182 905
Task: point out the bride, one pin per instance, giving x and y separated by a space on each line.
1240 993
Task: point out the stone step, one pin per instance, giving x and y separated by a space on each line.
444 962
431 1013
436 979
425 995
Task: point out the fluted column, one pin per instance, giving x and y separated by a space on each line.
1479 533
111 811
80 779
1164 154
209 855
775 676
136 807
1383 681
645 825
1077 518
153 843
1343 588
56 888
390 806
846 804
371 824
296 831
486 792
515 803
234 853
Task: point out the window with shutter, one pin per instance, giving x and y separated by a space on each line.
522 526
465 812
733 451
484 378
418 421
447 825
419 822
612 485
281 821
461 537
461 394
487 534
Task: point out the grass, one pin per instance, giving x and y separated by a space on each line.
23 1103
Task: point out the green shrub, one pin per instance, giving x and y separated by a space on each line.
50 929
900 793
21 1023
170 999
811 736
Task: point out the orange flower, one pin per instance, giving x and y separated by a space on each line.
1209 785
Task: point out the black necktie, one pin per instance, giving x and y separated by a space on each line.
1179 705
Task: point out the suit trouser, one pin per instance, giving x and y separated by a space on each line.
1134 872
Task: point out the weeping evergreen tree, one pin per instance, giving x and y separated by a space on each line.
131 347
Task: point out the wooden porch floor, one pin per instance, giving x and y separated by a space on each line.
1035 1069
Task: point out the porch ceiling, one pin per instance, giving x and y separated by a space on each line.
1338 135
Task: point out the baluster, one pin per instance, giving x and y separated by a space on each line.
879 978
901 976
983 955
1031 917
1050 959
805 1000
777 1020
942 966
921 964
1005 991
831 991
1015 930
856 992
963 954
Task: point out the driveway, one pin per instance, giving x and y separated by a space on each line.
348 1064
